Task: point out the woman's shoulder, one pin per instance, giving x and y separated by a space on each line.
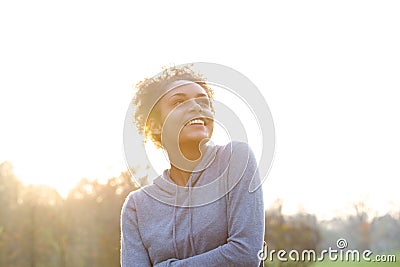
137 196
235 148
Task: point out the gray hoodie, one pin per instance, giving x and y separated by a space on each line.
216 220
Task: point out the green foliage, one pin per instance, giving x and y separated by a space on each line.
298 232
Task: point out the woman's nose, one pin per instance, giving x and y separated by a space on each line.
194 105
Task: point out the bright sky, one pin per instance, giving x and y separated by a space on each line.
329 71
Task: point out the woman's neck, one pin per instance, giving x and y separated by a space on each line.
184 162
179 176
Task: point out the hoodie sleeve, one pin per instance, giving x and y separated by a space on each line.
245 218
133 252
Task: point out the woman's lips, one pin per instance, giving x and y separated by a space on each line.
196 122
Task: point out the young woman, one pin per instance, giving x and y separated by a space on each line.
200 212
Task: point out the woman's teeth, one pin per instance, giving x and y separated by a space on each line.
196 121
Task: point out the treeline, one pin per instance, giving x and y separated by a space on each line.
38 228
359 230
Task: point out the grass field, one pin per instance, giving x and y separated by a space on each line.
328 263
355 264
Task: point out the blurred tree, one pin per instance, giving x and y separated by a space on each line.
39 228
38 210
362 223
298 232
385 234
9 191
95 225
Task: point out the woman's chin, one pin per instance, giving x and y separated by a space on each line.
194 139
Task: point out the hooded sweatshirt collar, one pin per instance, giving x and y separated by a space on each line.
167 191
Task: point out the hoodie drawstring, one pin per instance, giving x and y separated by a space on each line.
174 224
191 238
190 220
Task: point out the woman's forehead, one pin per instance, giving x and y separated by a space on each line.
190 90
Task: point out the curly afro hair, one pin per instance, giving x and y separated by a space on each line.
149 90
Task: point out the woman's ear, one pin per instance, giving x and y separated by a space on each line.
155 127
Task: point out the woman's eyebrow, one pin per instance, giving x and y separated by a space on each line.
201 95
177 94
185 95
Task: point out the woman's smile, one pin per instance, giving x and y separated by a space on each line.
186 113
196 122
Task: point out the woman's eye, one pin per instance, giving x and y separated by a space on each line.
178 102
203 102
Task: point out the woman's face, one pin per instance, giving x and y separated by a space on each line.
186 116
